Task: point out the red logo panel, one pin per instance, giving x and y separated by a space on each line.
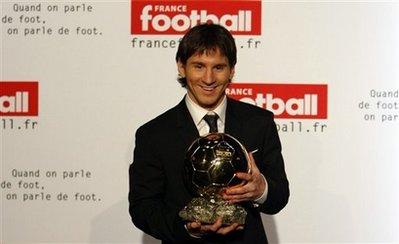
19 98
286 101
176 17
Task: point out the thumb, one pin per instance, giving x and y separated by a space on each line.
252 164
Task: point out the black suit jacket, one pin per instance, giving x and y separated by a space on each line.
157 192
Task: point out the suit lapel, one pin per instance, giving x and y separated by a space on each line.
233 124
185 125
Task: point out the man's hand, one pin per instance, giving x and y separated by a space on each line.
253 188
198 229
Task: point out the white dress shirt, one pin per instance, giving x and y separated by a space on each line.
197 113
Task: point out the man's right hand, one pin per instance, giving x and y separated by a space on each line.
197 229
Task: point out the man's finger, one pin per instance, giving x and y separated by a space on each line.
236 190
243 176
212 228
193 225
238 198
227 229
254 168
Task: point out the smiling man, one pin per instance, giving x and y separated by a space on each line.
207 76
206 60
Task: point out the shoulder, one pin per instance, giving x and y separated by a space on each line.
162 122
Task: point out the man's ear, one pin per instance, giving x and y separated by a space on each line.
232 72
181 68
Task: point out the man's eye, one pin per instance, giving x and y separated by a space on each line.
198 66
219 67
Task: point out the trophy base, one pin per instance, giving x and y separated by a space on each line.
208 210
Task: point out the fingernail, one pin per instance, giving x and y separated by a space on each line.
254 151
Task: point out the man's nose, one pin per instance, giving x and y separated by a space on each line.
208 77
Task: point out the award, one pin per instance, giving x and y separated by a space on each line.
211 164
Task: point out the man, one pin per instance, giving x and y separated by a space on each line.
206 60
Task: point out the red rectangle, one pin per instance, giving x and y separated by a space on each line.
19 98
286 101
176 17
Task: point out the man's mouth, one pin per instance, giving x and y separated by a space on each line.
208 88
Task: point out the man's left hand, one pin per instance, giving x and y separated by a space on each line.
252 189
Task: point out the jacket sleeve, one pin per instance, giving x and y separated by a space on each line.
272 167
146 205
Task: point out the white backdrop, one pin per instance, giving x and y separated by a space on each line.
65 179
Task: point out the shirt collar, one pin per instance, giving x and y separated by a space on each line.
197 112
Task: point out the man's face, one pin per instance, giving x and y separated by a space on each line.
208 76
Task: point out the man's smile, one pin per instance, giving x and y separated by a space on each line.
208 88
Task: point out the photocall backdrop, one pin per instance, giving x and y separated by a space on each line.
79 77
